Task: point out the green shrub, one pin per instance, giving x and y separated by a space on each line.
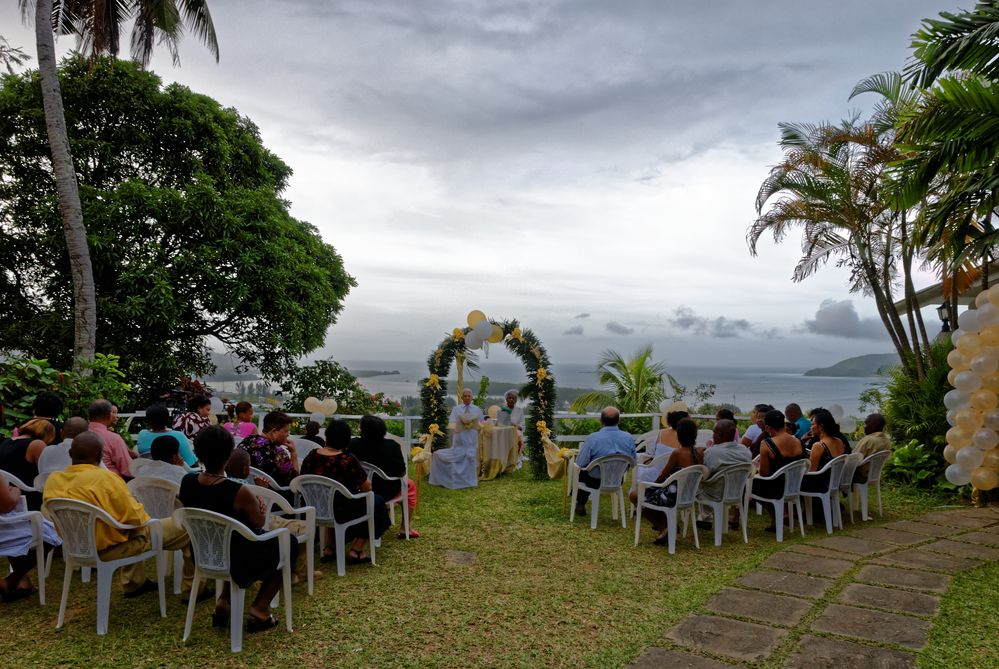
915 464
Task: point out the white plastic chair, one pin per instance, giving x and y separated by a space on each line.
704 436
792 475
306 539
271 481
687 481
613 469
736 479
75 521
211 540
846 483
35 520
876 463
401 499
303 447
829 496
319 493
159 497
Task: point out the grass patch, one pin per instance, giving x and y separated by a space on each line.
964 633
541 593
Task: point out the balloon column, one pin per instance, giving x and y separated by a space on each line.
973 405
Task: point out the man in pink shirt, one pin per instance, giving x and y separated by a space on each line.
116 455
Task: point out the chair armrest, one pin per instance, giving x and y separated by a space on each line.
246 533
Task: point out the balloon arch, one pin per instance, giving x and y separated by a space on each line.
540 387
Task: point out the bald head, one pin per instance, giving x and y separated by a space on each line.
73 427
86 449
610 416
724 431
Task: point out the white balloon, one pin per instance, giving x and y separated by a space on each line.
957 334
318 416
985 365
984 440
312 404
991 419
951 414
847 425
217 406
981 299
969 458
957 399
483 328
473 341
969 321
987 315
967 381
665 404
836 410
957 474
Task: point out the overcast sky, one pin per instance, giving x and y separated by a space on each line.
587 167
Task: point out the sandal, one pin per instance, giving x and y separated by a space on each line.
661 540
355 557
12 595
257 625
220 618
413 534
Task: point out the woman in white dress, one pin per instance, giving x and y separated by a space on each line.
14 541
665 443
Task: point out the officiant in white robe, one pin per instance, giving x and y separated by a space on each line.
457 467
466 418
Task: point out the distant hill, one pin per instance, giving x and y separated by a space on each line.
862 365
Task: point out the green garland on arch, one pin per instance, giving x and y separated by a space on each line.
540 388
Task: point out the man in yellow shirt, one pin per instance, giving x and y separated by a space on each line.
874 441
86 481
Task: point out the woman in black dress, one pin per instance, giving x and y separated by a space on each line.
251 560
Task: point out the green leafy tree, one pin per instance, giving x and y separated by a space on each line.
328 378
191 239
635 385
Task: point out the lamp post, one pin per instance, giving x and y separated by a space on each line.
943 312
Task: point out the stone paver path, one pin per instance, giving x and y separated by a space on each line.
862 599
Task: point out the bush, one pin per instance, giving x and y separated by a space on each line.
328 378
915 464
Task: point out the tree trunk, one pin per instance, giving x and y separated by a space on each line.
81 269
910 302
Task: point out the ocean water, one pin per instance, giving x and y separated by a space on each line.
743 387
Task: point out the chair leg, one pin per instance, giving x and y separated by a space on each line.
718 512
341 551
161 564
877 492
671 530
178 571
572 504
84 574
693 525
862 489
594 509
743 518
192 602
286 573
624 518
797 503
638 521
808 514
779 519
613 497
310 560
405 514
104 580
372 540
42 571
827 512
67 577
237 596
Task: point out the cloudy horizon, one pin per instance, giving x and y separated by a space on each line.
587 168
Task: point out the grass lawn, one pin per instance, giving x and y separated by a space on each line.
541 593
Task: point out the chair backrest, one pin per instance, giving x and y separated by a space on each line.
210 534
138 464
40 481
644 441
736 477
318 491
271 499
75 522
612 470
846 478
876 463
403 446
303 447
704 436
793 474
836 467
16 482
157 495
254 472
688 481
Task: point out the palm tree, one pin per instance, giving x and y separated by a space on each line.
634 386
11 56
96 24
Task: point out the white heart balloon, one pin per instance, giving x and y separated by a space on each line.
328 406
312 404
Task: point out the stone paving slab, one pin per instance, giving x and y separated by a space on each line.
873 625
724 636
818 653
663 658
853 545
766 607
957 519
808 564
919 558
897 537
807 549
982 538
915 603
929 529
788 583
963 550
904 578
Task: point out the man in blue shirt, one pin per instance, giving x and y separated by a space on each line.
608 440
801 424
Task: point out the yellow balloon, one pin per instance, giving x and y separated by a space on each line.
950 454
493 411
957 361
969 345
984 400
994 295
958 438
952 376
981 299
968 420
984 479
474 317
496 336
989 336
990 382
991 460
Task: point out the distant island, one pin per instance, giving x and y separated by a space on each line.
368 373
862 365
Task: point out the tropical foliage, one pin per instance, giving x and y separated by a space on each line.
635 385
328 378
190 236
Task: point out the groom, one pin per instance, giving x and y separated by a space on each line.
466 418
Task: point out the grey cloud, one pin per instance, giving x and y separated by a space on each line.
839 319
617 328
584 315
574 330
720 327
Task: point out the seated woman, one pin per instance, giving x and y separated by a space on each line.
273 452
20 456
312 433
158 420
829 443
684 455
374 448
777 449
14 541
240 424
195 419
251 560
333 461
665 443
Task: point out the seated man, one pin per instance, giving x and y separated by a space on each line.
874 441
116 456
608 440
725 451
55 457
372 447
84 480
166 462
